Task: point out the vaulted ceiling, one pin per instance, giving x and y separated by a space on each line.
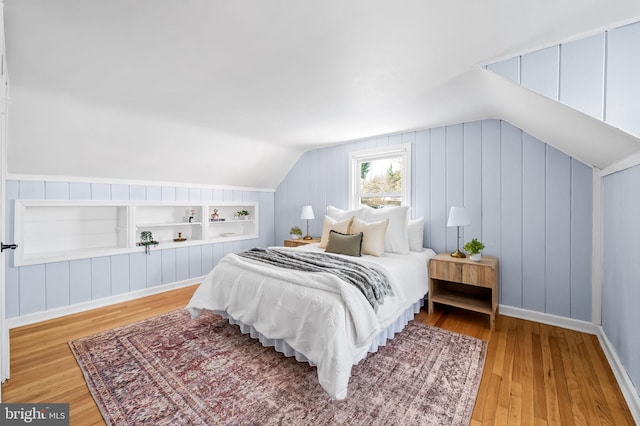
231 93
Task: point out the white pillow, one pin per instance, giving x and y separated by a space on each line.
329 225
397 238
373 235
416 234
339 214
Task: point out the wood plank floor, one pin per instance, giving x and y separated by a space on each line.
534 374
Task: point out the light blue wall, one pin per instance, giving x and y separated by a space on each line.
596 75
36 288
621 267
531 205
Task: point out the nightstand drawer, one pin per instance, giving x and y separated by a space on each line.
480 274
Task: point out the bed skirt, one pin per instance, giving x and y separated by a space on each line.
284 348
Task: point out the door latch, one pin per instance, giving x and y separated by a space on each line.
4 247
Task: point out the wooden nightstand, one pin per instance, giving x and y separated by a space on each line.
465 284
300 242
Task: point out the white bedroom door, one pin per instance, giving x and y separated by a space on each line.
4 332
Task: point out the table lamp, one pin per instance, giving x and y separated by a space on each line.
307 213
458 216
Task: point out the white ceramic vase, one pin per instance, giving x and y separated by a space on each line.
475 257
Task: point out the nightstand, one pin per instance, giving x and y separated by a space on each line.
300 242
465 284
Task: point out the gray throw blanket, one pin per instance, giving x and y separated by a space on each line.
373 283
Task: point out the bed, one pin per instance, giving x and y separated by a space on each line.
316 316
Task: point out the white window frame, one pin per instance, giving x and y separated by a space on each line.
357 157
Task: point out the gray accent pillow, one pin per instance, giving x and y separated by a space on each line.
349 244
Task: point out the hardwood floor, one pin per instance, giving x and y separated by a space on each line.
534 374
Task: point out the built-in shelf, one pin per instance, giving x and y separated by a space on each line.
51 231
231 228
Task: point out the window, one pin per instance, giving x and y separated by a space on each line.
380 177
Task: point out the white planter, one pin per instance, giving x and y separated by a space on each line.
475 257
294 236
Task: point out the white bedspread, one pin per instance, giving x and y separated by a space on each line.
317 314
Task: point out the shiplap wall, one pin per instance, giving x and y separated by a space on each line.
596 75
530 204
36 288
620 266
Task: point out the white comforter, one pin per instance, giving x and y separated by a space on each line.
327 320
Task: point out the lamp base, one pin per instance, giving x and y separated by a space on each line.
308 237
458 253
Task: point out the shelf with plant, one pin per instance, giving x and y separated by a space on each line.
241 214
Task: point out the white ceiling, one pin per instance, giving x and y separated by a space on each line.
291 75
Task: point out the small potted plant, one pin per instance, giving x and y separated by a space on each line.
473 248
242 214
146 240
295 232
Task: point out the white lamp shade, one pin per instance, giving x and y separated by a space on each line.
458 216
307 213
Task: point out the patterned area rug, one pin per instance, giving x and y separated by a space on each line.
170 370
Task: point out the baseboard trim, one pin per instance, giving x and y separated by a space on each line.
93 304
550 319
626 385
629 391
